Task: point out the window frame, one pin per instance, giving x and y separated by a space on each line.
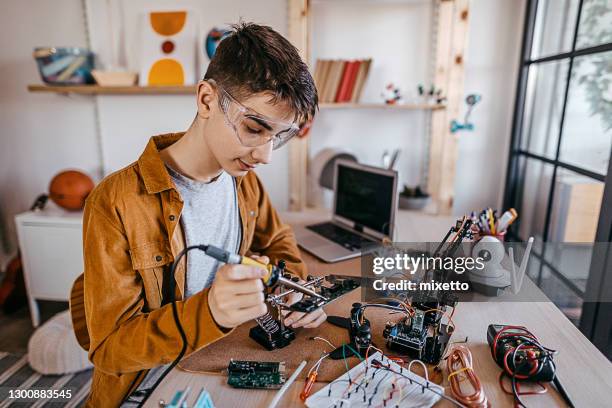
595 320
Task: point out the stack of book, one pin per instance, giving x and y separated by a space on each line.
341 80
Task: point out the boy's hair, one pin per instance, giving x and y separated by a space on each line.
254 58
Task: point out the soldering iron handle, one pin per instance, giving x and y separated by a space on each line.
227 257
273 272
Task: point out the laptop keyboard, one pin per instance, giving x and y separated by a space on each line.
341 236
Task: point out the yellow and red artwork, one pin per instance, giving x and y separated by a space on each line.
168 49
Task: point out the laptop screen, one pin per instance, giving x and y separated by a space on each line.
365 197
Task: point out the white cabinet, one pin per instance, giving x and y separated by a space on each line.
52 252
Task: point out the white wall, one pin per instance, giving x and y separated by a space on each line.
491 69
396 35
42 134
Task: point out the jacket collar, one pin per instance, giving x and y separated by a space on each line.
152 168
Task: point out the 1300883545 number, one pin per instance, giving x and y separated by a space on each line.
39 393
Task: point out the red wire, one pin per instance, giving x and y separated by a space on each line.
503 375
507 371
499 336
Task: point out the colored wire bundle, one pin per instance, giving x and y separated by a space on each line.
534 354
460 366
369 383
405 309
425 385
314 370
400 381
444 312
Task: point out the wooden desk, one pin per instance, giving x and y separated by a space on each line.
585 373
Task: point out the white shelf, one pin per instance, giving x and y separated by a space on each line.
327 105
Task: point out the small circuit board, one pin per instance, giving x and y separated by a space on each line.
418 339
332 287
256 374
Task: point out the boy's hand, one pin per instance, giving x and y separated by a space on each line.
236 295
300 319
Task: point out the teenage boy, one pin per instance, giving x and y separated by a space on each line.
190 188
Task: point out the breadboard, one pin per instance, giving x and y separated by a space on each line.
372 384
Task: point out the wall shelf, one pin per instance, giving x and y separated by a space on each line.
113 90
448 41
381 106
190 90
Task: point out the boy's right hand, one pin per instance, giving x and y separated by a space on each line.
237 295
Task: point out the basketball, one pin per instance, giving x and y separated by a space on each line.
69 189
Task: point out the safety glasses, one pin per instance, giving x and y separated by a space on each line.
252 128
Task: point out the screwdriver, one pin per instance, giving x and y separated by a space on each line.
273 277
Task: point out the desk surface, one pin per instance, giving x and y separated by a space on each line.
585 373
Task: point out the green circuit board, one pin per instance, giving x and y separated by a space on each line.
256 374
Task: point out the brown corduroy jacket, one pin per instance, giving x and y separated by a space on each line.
131 235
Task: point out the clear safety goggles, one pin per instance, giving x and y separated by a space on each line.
252 128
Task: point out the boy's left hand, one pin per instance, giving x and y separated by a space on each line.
300 319
297 319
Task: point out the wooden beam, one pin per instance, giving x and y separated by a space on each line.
298 16
452 30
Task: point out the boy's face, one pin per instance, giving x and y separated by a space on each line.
236 136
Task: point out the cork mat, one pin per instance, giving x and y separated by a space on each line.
239 346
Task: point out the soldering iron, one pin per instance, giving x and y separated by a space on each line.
273 277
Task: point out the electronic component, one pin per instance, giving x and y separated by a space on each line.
412 336
256 374
378 382
522 358
311 377
408 336
271 332
421 333
514 349
360 331
330 287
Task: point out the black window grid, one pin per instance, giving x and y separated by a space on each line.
599 279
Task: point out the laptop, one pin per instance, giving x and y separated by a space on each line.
365 202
